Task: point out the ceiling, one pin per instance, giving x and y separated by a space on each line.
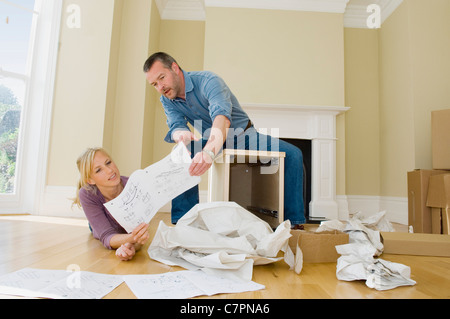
355 11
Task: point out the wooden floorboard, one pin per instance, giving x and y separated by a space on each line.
38 242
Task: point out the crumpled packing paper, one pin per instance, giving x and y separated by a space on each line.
357 263
221 238
384 275
362 229
357 260
376 221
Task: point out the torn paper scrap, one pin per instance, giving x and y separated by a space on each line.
220 237
298 265
150 189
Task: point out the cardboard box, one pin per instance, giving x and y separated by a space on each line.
419 214
439 200
317 247
440 139
416 244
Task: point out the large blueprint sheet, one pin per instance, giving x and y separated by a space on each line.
149 189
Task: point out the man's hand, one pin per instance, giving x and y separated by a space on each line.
200 164
184 136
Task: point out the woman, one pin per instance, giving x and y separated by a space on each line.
100 182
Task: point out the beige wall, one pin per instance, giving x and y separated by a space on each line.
414 80
396 97
184 40
151 105
280 57
394 77
80 89
430 56
129 113
100 91
108 130
270 56
362 125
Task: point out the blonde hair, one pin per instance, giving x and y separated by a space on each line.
85 163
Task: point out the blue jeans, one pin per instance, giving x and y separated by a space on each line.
294 209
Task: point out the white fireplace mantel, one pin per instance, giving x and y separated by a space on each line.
315 123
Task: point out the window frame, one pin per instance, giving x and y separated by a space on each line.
34 135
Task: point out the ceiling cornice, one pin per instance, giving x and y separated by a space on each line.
336 6
355 11
181 9
356 14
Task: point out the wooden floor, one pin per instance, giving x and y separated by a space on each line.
56 243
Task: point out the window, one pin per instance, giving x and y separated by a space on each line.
28 45
16 34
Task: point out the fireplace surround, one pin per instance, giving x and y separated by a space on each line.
315 123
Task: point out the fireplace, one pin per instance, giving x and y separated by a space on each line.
316 124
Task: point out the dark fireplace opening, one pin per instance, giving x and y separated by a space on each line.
305 147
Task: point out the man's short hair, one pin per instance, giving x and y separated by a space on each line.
162 57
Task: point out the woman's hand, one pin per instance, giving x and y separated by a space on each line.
126 252
128 244
140 234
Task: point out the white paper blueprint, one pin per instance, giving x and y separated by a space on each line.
58 284
149 189
184 284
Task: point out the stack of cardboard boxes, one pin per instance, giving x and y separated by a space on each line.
428 200
428 210
429 190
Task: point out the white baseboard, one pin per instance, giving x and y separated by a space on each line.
57 202
343 211
396 207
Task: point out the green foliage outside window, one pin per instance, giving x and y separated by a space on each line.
9 132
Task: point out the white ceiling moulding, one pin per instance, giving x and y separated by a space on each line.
355 11
195 9
356 14
181 9
335 6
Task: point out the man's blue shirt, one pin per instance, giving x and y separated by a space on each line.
207 96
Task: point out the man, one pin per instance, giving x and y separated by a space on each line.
205 101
